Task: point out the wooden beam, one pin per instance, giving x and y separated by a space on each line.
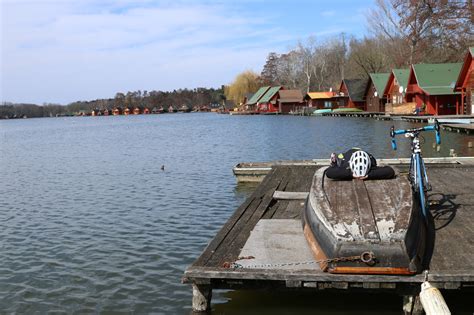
290 195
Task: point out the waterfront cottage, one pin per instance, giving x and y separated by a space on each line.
431 87
247 97
465 84
228 106
116 111
394 93
146 111
251 105
351 93
321 100
290 100
268 102
374 94
136 111
126 111
171 109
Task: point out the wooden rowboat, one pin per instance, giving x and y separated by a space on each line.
364 226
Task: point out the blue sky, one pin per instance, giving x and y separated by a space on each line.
60 51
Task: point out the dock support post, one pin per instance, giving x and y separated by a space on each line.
202 294
412 305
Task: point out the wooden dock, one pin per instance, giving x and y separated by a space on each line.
466 128
256 171
452 264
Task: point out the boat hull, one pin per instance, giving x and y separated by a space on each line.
344 219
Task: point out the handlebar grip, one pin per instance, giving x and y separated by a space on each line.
394 144
438 138
427 128
399 132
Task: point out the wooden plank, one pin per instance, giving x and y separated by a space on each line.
316 275
230 247
290 195
366 216
220 236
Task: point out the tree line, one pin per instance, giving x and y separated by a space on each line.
400 33
141 99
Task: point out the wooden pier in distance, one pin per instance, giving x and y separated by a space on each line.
451 267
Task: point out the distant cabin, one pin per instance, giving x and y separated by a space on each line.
465 84
251 105
146 111
228 106
374 94
106 112
136 111
157 110
321 100
268 102
247 97
351 93
126 111
184 108
116 111
395 90
431 87
290 100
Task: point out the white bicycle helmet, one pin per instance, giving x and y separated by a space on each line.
360 163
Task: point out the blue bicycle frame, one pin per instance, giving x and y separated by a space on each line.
417 174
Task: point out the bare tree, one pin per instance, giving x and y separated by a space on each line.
367 56
426 30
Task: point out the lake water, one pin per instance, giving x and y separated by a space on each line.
90 223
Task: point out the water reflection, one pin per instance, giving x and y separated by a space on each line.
91 223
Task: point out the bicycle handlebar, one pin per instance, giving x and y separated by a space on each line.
434 127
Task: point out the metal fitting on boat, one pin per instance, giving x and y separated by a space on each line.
368 258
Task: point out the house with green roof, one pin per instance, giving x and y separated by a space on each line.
351 93
431 87
396 86
267 104
465 84
374 97
251 104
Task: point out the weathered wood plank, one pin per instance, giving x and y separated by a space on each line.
233 220
290 195
319 276
230 247
366 216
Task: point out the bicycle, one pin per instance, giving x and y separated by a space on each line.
417 172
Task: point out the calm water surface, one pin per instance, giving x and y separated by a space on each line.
90 223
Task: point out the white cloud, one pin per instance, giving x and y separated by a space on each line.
62 51
66 50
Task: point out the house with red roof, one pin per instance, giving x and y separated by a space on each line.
431 87
465 84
